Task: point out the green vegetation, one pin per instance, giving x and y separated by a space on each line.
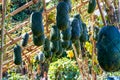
63 69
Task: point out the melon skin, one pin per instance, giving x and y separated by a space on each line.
108 49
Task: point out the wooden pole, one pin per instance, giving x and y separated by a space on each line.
93 49
108 2
119 13
110 11
78 60
46 15
101 12
2 38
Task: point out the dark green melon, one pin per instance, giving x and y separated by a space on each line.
65 44
84 36
41 57
54 46
69 4
70 46
60 51
46 45
66 34
48 54
39 41
78 17
17 55
25 40
54 33
80 22
36 23
75 30
91 6
62 18
36 59
108 48
64 54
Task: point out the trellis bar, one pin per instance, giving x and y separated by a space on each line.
18 27
19 9
23 57
15 40
8 35
33 50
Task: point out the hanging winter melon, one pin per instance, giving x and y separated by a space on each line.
40 57
48 54
75 30
36 23
25 40
66 34
108 48
84 36
17 55
60 51
91 6
46 45
54 46
62 18
69 4
38 41
70 46
65 44
80 23
54 33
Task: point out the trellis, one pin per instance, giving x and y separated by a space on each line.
13 41
31 48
